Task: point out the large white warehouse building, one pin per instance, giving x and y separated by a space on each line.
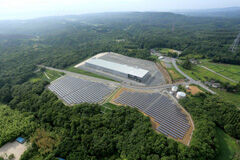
134 73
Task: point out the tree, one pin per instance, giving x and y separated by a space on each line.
187 64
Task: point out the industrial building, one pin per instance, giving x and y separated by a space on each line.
122 70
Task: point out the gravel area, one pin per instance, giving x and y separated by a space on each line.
156 78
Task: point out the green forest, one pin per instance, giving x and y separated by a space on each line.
83 131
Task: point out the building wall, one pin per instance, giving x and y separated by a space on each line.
145 78
107 70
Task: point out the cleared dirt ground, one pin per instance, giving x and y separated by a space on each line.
194 90
167 77
13 148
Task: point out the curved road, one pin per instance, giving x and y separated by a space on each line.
199 83
160 87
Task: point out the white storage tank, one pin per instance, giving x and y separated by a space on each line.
174 89
160 57
180 95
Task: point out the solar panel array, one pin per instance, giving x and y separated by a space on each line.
172 121
75 91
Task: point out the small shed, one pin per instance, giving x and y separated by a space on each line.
20 140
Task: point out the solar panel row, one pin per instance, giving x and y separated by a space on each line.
75 91
172 121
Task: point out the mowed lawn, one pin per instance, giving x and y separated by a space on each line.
227 146
231 71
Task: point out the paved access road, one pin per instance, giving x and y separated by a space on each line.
107 82
199 83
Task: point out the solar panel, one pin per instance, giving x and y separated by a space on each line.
75 90
172 121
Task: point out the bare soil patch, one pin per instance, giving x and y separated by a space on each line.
165 73
194 90
13 148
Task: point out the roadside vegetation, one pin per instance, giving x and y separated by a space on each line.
175 75
229 91
46 75
80 71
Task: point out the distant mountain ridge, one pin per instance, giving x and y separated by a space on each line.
230 12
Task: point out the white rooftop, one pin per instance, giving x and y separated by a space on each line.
138 72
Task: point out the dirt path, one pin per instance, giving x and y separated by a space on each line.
46 75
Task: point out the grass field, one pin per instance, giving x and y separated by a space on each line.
199 73
77 70
167 50
175 75
231 97
47 75
231 71
108 107
227 146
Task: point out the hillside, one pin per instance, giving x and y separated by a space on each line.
88 131
231 12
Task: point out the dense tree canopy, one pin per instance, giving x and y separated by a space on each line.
83 131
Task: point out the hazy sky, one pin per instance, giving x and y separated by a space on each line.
21 9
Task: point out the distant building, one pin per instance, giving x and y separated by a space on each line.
194 61
216 85
134 73
213 84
